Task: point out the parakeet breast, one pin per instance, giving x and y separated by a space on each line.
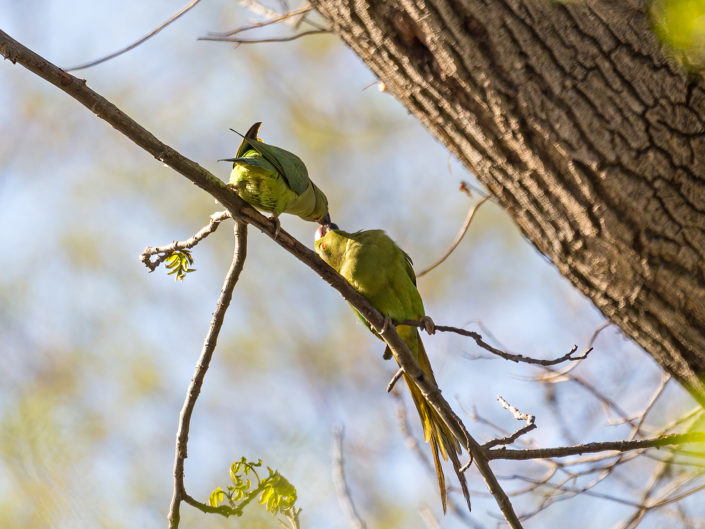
263 189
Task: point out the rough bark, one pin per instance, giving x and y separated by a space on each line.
577 122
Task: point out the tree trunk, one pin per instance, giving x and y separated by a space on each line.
576 121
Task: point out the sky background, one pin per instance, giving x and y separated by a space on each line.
97 353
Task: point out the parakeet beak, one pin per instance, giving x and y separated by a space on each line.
325 228
324 220
321 231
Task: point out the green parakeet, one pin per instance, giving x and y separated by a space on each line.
379 270
274 180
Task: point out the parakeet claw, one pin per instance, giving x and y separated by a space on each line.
387 323
277 225
429 325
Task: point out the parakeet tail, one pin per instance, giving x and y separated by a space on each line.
436 432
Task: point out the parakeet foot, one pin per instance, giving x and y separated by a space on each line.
387 323
429 325
277 225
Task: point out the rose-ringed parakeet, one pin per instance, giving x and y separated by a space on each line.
274 180
377 268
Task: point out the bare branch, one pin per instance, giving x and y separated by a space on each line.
555 376
149 35
507 356
163 252
201 367
286 17
468 219
341 486
620 446
518 415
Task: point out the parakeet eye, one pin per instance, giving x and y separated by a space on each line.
323 246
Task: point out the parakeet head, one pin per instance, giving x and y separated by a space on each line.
329 244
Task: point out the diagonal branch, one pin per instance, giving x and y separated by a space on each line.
241 211
194 389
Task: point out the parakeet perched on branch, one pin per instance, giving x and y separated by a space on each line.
379 270
274 180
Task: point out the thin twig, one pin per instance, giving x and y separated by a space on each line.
341 486
237 40
77 89
507 356
518 415
149 35
280 18
607 402
163 252
201 367
461 234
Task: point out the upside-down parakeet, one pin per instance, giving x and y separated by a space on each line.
274 180
379 270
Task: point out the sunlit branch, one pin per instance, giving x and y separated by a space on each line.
620 446
518 415
163 252
239 255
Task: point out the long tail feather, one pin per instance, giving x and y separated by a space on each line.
436 432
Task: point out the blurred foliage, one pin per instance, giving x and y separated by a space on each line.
680 24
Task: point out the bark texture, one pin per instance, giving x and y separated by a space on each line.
575 119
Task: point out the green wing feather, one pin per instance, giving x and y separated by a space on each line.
290 166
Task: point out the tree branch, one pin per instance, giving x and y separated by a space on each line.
165 251
203 362
487 347
620 446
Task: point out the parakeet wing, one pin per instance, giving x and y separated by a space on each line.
288 164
